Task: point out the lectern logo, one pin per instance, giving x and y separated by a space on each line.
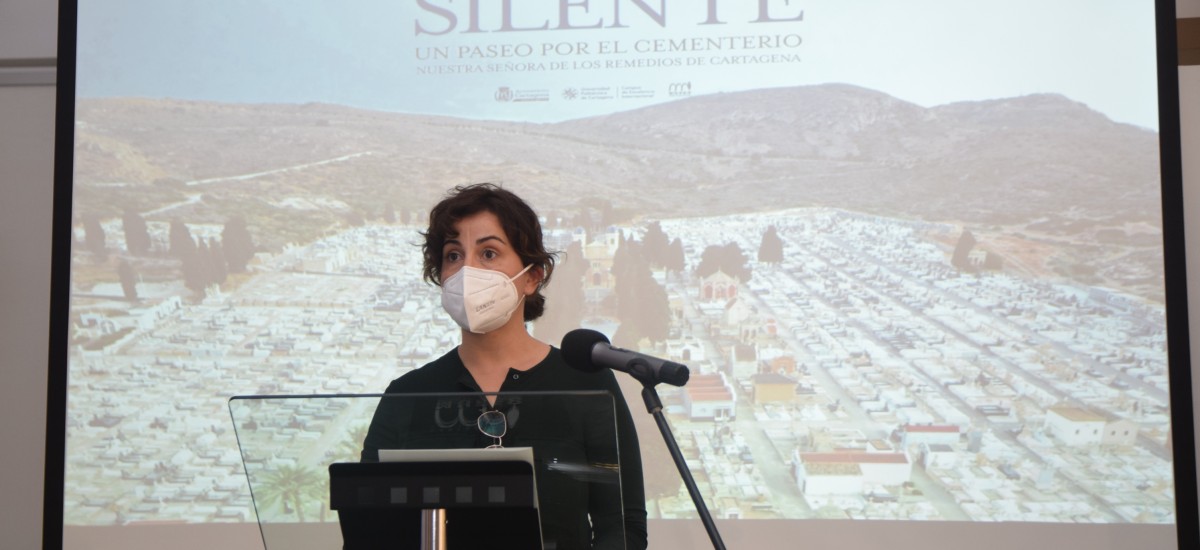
680 89
504 94
570 93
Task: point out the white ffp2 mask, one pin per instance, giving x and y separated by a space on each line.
481 300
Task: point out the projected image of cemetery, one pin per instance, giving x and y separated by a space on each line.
848 360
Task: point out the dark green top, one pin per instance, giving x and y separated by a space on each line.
571 437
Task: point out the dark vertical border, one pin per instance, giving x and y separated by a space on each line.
1183 440
60 280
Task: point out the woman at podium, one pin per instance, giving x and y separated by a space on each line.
484 249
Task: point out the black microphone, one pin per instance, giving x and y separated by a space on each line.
588 350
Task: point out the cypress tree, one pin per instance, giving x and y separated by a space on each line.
94 238
728 258
195 275
128 280
655 245
565 301
180 240
771 249
642 304
137 238
217 269
238 245
676 260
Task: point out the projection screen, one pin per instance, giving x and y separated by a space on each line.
912 251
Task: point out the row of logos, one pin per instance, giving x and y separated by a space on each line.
507 94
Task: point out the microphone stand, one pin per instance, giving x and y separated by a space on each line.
644 374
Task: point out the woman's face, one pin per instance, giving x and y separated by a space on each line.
482 243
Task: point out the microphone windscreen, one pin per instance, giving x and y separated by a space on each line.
577 348
673 373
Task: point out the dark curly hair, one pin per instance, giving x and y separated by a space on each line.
520 224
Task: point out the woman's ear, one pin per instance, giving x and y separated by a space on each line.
534 281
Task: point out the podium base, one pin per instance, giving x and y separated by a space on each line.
433 529
462 528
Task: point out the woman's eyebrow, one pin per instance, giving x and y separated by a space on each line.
478 241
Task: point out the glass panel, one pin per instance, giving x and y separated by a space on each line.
288 444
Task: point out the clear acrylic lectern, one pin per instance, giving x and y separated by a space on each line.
401 470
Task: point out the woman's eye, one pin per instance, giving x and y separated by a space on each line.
489 254
452 256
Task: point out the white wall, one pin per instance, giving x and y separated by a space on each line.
26 169
1187 8
27 30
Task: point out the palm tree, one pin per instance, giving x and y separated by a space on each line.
290 487
350 448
